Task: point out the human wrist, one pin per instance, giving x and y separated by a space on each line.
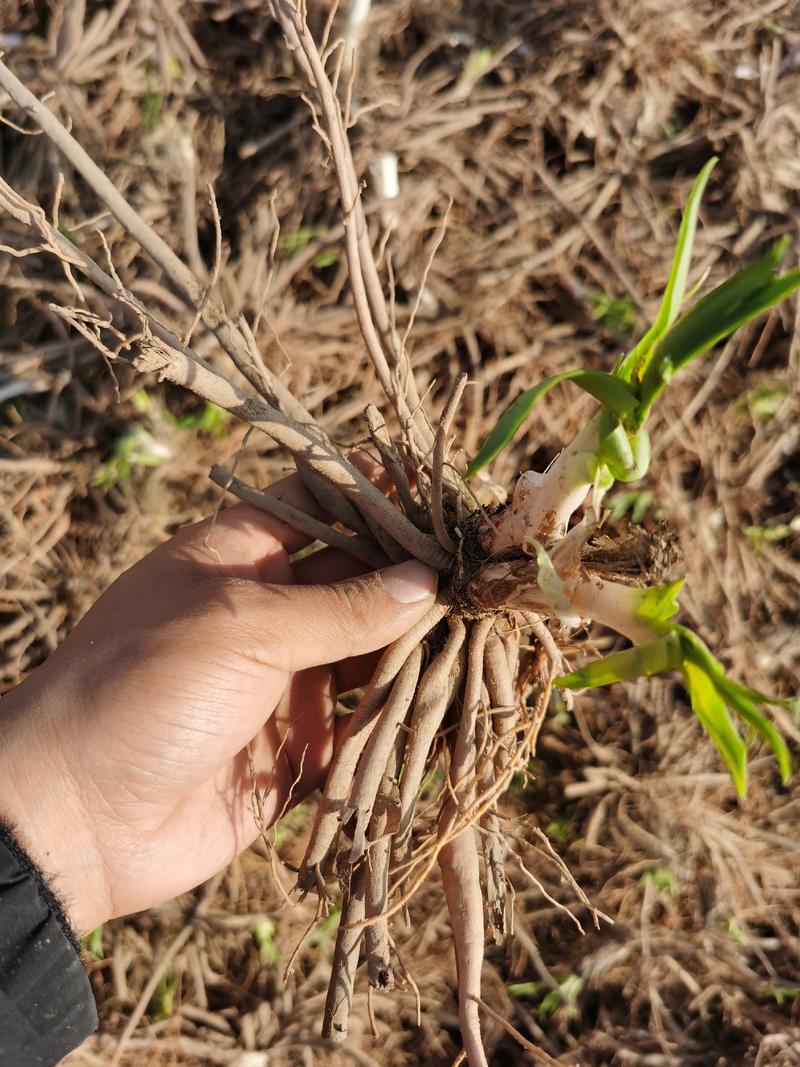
41 800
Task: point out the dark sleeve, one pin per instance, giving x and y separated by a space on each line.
46 1002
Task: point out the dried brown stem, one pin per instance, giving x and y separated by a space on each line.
368 299
392 462
437 465
186 284
297 519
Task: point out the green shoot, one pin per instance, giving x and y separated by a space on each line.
210 419
264 936
712 693
608 389
636 363
765 401
743 297
674 340
636 501
162 1006
477 62
709 707
138 448
641 661
93 943
564 999
561 829
779 532
661 878
617 314
297 240
325 259
782 994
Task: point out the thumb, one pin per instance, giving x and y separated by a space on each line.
310 625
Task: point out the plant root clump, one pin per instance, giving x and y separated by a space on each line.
454 709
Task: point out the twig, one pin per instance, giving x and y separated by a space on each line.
212 281
186 284
297 519
540 1054
437 466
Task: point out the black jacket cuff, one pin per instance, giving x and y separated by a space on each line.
46 1002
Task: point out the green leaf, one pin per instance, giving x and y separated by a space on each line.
636 501
625 453
709 707
298 239
778 532
325 259
661 878
641 661
696 650
720 313
523 989
748 711
93 943
659 603
638 360
264 935
608 389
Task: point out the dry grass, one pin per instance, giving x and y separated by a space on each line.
566 160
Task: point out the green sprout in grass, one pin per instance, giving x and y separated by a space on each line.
264 936
614 447
563 999
150 446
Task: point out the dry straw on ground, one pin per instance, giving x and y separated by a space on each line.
566 138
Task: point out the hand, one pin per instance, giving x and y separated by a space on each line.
123 762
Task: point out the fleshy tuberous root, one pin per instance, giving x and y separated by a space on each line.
371 766
339 1001
360 727
458 861
433 698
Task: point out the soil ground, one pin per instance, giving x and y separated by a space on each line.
567 135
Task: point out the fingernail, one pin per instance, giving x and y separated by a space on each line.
409 582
